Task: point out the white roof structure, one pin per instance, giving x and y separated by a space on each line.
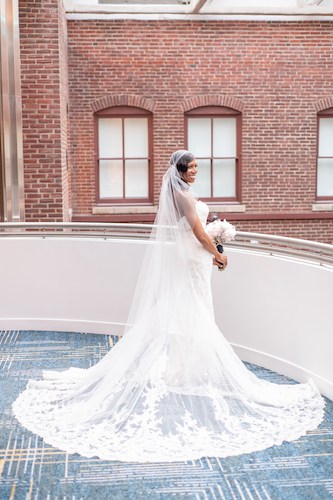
200 9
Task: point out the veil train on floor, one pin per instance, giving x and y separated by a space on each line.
172 388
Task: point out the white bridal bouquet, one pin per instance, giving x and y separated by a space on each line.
220 231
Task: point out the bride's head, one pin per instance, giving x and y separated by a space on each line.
176 198
186 165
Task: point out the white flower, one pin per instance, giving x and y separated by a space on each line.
221 231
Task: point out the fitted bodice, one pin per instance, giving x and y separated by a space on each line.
202 211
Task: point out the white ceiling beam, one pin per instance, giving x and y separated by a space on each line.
90 6
200 9
308 10
197 6
129 9
308 3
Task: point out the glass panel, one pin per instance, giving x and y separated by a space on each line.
136 178
199 136
110 138
224 178
136 137
203 181
224 137
111 179
326 137
325 177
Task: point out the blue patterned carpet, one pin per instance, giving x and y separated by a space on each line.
30 469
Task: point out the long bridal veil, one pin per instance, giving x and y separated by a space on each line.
172 388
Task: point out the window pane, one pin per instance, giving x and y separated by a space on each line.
203 180
224 178
325 177
136 178
111 179
326 137
136 137
110 141
224 137
199 136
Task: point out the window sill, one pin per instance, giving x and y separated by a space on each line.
140 209
322 207
113 210
227 208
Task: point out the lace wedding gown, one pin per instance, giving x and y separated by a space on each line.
172 388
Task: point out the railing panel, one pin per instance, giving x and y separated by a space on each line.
273 303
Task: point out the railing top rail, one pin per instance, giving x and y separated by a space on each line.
283 240
255 241
71 225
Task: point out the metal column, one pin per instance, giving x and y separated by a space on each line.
11 114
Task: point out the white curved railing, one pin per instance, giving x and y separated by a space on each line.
273 303
320 252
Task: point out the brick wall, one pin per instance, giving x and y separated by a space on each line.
44 100
278 71
279 74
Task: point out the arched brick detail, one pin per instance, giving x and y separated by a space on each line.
109 101
325 103
213 100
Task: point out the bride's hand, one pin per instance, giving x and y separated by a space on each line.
221 261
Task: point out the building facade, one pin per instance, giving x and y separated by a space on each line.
105 103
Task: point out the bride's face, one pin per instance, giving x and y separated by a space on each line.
192 171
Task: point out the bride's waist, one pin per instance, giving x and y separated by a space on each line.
192 247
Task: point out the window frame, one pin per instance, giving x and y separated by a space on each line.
124 112
220 112
326 113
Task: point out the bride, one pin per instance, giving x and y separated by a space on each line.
172 388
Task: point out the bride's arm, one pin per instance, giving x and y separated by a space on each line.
206 242
188 208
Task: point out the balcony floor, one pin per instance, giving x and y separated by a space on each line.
31 469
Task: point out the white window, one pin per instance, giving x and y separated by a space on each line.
123 157
212 136
325 156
